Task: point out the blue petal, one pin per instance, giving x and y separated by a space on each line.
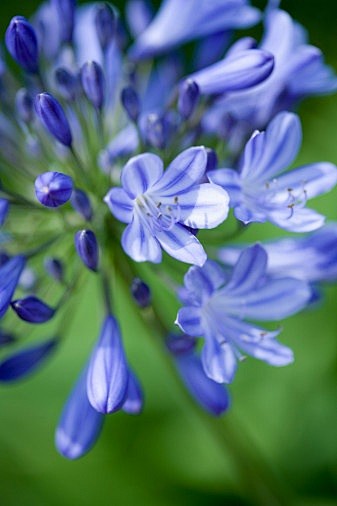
203 206
267 154
141 173
210 395
133 404
218 360
229 180
196 18
120 204
182 245
24 362
139 243
183 172
248 271
189 320
297 219
80 424
313 179
107 378
237 72
206 279
4 208
10 273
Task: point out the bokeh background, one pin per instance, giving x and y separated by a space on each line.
280 434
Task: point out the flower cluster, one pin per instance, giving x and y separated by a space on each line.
108 162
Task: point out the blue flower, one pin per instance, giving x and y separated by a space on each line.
157 205
177 22
260 192
216 308
291 256
10 273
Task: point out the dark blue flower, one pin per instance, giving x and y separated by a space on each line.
32 310
10 273
53 189
93 84
53 118
21 43
81 203
87 248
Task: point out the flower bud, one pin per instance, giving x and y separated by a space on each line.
66 13
80 424
24 105
108 374
4 208
212 160
155 131
53 189
6 338
130 101
10 274
67 83
134 396
21 43
180 344
25 361
93 84
81 204
141 293
105 21
54 268
188 98
87 248
53 118
4 257
32 310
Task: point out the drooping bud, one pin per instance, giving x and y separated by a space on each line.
21 43
32 310
134 396
67 83
24 105
188 98
53 189
4 208
54 267
53 118
105 21
10 274
80 424
107 379
180 344
25 361
130 102
141 293
87 248
81 203
93 83
66 14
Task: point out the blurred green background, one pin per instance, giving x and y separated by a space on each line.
280 433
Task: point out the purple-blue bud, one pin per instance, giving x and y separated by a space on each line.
80 424
154 130
21 43
53 118
66 15
180 344
10 274
130 102
53 189
188 98
67 83
81 204
25 361
54 267
133 404
24 105
212 160
141 293
6 338
108 375
87 248
4 208
32 310
105 22
4 257
93 83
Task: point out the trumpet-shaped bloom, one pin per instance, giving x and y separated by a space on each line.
159 205
260 192
177 22
292 256
216 308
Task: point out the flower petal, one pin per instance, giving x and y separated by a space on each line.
10 273
311 180
139 243
203 206
229 180
120 204
248 271
140 173
182 245
218 360
188 319
297 219
183 172
134 397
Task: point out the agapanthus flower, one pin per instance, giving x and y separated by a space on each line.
105 165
